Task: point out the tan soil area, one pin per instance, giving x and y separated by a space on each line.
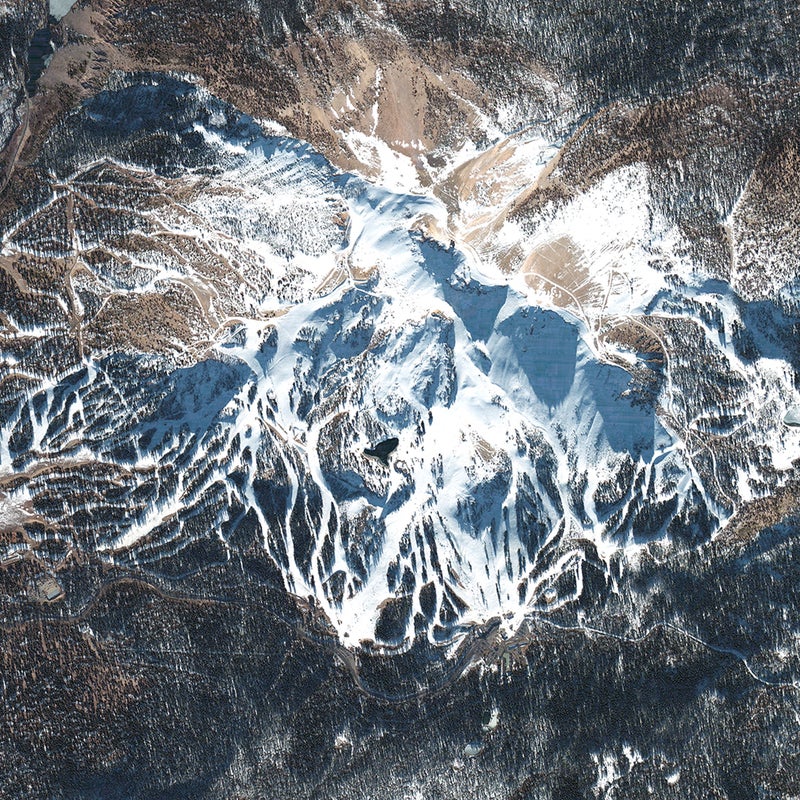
761 513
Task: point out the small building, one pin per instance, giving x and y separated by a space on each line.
473 749
46 589
10 558
792 417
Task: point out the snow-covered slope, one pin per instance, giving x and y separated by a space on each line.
250 320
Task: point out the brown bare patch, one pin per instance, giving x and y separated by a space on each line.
755 516
633 336
484 449
146 322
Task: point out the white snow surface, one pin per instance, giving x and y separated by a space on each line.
60 8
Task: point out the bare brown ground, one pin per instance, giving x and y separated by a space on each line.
560 262
632 336
484 449
758 514
145 322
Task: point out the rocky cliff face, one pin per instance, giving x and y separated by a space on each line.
550 250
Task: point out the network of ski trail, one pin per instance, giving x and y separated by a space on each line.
490 408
